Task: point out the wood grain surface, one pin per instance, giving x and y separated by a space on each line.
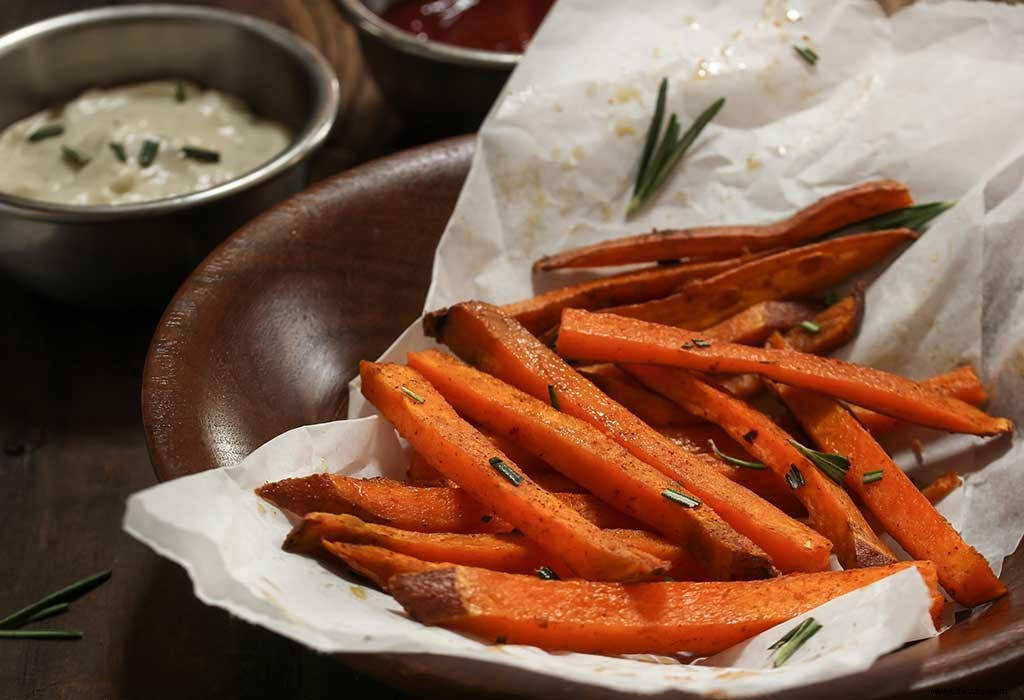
73 449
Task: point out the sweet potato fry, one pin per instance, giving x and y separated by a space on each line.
541 312
417 508
642 402
837 325
509 552
659 618
962 383
456 449
694 439
942 486
602 466
791 274
608 338
831 511
830 213
754 324
497 344
378 564
905 513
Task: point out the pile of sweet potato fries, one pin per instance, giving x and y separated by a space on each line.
591 476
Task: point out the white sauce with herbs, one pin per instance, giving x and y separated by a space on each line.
80 166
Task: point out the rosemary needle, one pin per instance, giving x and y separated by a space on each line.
807 54
915 217
41 634
64 595
734 460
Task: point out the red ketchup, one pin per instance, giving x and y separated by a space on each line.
491 25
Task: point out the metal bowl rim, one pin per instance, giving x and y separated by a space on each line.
315 131
373 24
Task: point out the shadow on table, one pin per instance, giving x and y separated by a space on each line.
179 648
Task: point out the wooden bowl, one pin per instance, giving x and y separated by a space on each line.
265 334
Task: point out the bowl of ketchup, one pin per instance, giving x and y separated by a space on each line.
441 63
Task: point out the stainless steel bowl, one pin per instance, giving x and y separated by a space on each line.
137 254
439 89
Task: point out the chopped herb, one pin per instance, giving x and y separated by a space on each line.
506 471
807 54
668 262
668 579
810 326
794 478
830 298
74 157
203 155
119 152
700 342
680 498
659 157
750 436
486 518
913 217
41 634
179 92
147 154
554 397
835 466
501 639
793 640
412 394
547 574
733 460
64 595
46 132
872 477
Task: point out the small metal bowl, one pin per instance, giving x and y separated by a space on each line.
439 89
137 254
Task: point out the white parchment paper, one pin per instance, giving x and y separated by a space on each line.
929 96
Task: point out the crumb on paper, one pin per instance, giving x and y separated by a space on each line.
591 90
681 198
808 94
578 153
557 107
358 591
754 163
624 128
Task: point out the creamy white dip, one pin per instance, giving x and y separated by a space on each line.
82 163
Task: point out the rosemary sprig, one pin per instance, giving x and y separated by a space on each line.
547 574
64 595
74 157
810 326
660 156
553 397
147 154
872 477
793 640
506 471
835 466
41 634
736 462
119 152
807 54
203 155
680 498
412 394
46 132
915 217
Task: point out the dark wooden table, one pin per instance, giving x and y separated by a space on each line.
73 450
